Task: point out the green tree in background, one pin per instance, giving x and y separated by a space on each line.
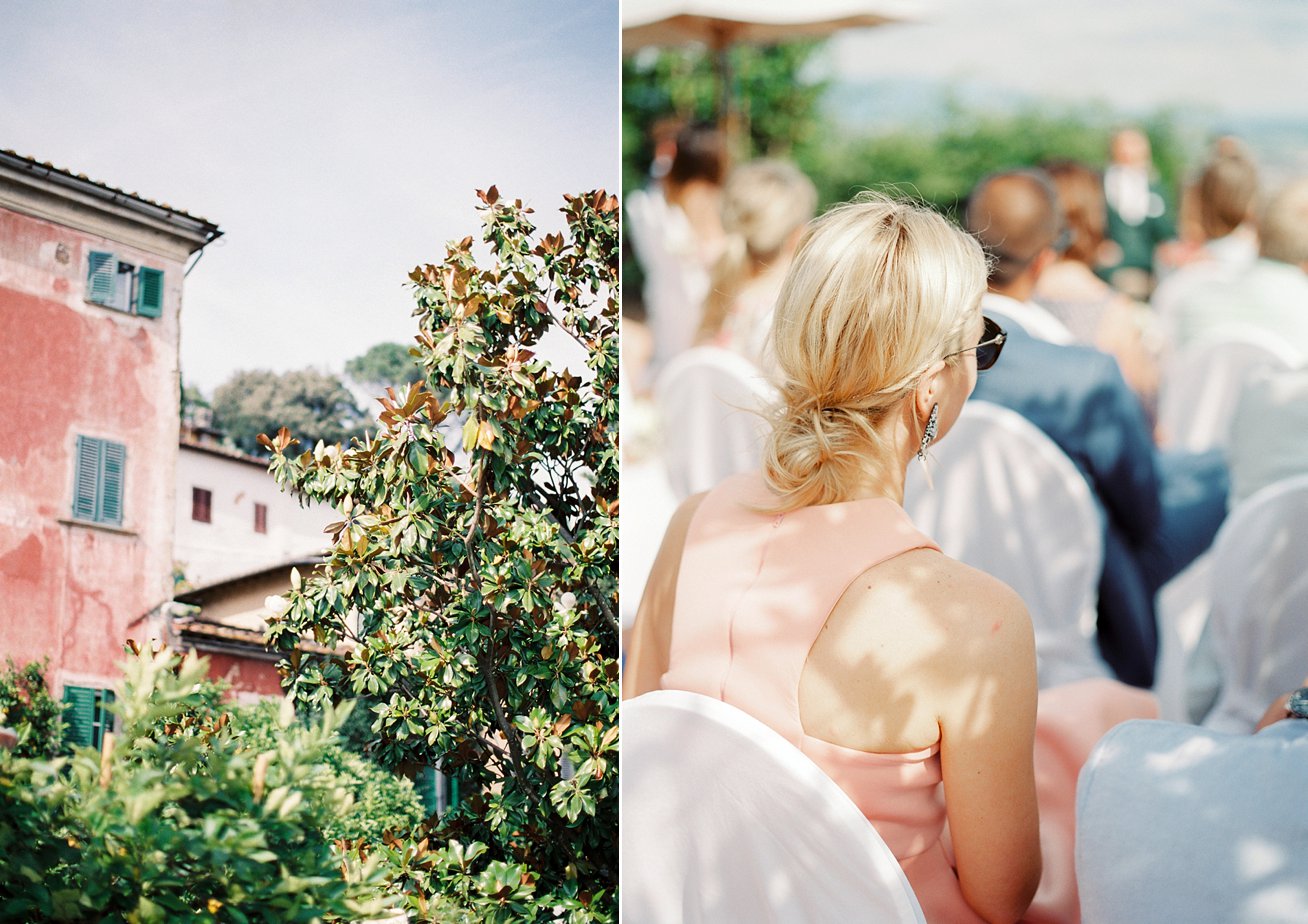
776 99
479 592
384 365
941 163
938 159
193 403
314 406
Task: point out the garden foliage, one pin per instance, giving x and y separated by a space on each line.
472 580
27 707
180 818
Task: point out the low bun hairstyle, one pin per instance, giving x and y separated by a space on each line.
878 290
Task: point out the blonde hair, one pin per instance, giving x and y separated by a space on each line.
879 289
763 203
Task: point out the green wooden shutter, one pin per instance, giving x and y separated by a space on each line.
80 715
149 292
86 481
98 482
111 483
104 719
101 268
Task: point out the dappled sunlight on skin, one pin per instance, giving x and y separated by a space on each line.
873 695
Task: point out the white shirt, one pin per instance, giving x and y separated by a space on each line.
1036 321
1268 295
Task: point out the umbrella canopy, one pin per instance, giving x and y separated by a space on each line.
719 23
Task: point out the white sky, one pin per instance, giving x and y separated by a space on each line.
1241 56
337 144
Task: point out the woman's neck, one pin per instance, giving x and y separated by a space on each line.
880 481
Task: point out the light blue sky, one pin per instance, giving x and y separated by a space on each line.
337 144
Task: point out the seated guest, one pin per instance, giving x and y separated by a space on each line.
1179 823
1096 314
765 205
1223 199
1160 510
804 595
1272 294
675 230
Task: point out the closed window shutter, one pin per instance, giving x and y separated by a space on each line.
111 485
80 715
86 483
101 268
104 719
149 292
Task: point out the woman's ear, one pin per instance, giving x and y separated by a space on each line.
927 393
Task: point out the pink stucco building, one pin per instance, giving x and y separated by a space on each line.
91 282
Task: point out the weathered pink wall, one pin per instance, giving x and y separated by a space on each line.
71 592
246 675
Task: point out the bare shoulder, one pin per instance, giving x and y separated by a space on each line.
685 512
973 610
947 585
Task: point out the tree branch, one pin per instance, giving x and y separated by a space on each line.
487 668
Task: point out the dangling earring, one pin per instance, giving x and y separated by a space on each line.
930 432
927 436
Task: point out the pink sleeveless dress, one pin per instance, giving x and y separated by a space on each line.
754 591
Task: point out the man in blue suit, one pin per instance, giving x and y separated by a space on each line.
1161 510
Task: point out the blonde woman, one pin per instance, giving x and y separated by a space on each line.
804 595
765 205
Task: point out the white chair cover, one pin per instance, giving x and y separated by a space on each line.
1178 823
1260 603
1202 383
1007 500
724 820
709 401
1269 432
1186 682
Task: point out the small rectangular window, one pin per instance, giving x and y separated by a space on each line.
88 716
111 283
261 518
98 480
202 505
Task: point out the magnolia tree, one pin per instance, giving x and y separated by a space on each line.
472 585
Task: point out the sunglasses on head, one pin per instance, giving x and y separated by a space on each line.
990 346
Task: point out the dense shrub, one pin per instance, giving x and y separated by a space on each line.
179 819
27 706
381 802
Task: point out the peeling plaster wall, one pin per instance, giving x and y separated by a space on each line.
68 591
250 678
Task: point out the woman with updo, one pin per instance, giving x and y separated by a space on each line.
803 594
